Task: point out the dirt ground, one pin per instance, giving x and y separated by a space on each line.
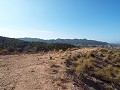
43 71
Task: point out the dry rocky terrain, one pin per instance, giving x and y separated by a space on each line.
61 70
43 71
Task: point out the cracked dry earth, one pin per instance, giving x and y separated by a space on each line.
35 72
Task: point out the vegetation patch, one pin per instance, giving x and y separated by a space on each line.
99 69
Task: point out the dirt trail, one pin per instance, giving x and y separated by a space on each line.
35 72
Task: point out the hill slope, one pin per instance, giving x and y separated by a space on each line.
98 68
11 45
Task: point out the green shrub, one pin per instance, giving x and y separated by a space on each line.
103 50
79 70
110 51
107 74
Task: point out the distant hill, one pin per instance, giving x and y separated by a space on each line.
11 45
115 46
76 42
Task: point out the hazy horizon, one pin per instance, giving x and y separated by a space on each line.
67 19
61 38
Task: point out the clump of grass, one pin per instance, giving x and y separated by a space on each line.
91 54
79 70
89 64
99 73
117 60
107 74
110 51
107 57
103 50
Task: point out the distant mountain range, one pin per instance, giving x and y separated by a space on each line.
12 46
76 42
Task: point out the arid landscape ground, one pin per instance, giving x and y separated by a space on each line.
43 71
60 70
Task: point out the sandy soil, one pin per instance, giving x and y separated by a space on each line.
45 71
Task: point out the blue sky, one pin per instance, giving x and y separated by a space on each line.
51 19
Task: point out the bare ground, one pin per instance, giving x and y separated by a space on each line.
43 71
